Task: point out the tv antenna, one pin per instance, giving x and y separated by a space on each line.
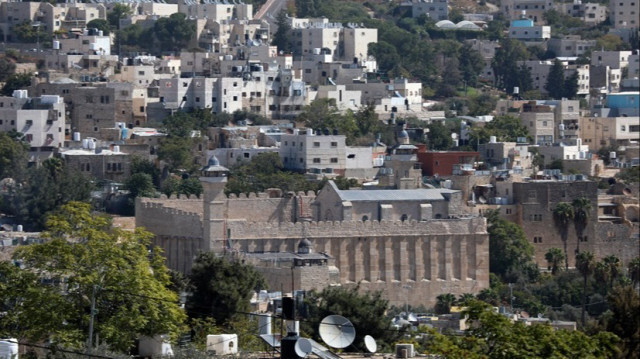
337 331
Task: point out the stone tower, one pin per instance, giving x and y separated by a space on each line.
214 179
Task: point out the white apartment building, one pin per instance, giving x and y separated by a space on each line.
90 42
216 11
624 14
305 150
567 150
316 36
40 119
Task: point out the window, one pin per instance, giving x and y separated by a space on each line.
537 239
316 144
246 155
316 160
365 218
334 160
508 211
141 108
334 144
29 137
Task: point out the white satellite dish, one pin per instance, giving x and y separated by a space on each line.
370 344
337 331
303 347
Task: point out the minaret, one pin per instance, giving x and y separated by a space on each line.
214 179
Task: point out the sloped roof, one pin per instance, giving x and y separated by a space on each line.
420 195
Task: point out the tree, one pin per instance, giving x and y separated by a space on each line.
366 310
170 186
13 156
554 257
471 64
439 137
581 208
563 214
100 24
16 82
506 128
570 89
140 185
83 258
7 68
119 11
191 186
613 265
585 263
444 302
29 32
555 80
282 37
624 303
505 63
221 288
174 32
510 253
634 271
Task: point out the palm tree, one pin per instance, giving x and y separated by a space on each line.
581 208
465 298
554 257
585 263
613 268
444 303
562 215
634 271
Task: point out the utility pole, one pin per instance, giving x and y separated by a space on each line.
93 314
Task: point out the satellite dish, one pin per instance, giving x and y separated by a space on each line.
337 331
370 344
303 347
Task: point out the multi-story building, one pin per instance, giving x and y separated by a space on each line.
570 46
101 164
525 30
634 65
47 17
305 150
41 120
217 11
533 9
598 132
433 9
624 14
540 70
613 59
316 36
591 13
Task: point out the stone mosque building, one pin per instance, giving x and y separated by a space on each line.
412 244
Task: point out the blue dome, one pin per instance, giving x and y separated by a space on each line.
213 161
403 134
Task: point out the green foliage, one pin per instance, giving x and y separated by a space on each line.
562 24
563 214
30 32
624 303
554 257
444 302
555 80
611 42
13 156
629 175
265 171
174 32
41 190
119 11
221 288
506 129
100 24
585 263
366 310
140 185
191 186
507 73
581 208
510 253
50 299
170 186
439 137
143 165
7 68
16 82
282 37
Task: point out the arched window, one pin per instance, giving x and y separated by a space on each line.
404 217
365 218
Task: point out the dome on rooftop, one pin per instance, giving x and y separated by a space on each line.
304 247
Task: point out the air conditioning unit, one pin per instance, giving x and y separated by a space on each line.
404 351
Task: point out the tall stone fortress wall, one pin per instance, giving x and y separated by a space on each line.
412 262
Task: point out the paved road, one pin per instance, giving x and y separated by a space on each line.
269 11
